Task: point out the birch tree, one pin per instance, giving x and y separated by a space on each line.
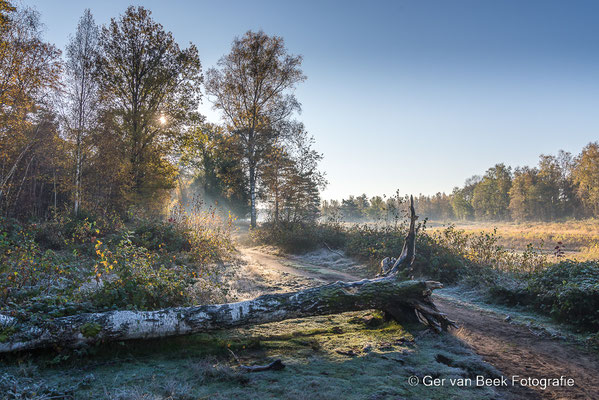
253 88
82 92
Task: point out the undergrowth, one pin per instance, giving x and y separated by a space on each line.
568 290
89 263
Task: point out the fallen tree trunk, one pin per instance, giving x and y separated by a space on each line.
384 293
400 299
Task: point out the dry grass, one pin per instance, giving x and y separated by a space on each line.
579 238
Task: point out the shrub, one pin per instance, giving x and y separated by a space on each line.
436 261
505 288
68 229
373 243
49 235
482 249
159 264
130 277
367 242
23 263
158 235
298 237
208 231
569 291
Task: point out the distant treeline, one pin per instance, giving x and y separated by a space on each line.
559 187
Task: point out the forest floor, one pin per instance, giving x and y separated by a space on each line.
516 347
353 355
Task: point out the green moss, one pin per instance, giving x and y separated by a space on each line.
6 333
91 329
327 357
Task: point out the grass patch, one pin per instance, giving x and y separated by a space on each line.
325 357
579 238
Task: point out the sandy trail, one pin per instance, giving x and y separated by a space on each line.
516 350
295 266
511 348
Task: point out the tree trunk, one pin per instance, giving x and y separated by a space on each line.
400 299
78 162
252 196
386 293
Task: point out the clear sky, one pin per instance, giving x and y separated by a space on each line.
411 95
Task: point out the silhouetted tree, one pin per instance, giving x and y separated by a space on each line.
152 90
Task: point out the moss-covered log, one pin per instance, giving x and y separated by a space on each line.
383 293
400 299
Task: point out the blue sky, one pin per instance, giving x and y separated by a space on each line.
408 95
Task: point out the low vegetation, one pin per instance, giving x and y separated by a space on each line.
563 288
574 239
84 264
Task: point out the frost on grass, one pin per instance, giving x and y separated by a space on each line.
325 259
353 355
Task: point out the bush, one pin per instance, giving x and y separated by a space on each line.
33 279
209 231
49 235
100 266
22 262
68 229
569 291
367 242
372 243
298 237
483 250
436 261
505 288
134 278
158 235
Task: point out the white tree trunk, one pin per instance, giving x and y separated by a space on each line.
398 298
252 196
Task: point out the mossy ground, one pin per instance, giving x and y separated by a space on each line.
347 356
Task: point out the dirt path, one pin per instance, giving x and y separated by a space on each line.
516 350
295 266
511 348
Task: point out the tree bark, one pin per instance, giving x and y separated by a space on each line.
400 299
